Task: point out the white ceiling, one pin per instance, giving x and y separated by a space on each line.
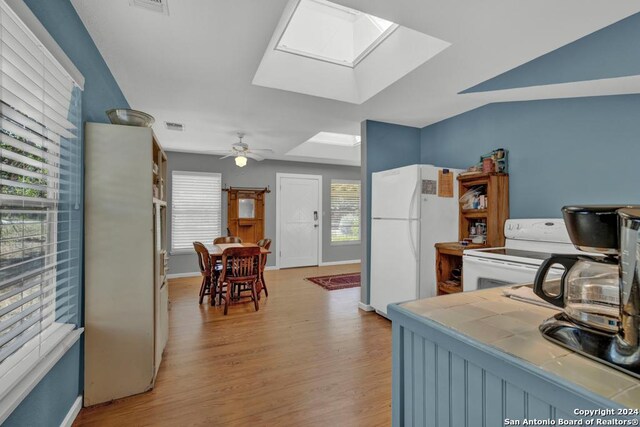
401 52
195 66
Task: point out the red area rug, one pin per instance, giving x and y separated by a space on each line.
337 281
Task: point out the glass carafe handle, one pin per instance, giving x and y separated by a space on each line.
567 261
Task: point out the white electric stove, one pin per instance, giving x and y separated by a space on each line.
528 242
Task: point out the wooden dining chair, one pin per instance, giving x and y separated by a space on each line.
266 244
241 273
204 262
227 239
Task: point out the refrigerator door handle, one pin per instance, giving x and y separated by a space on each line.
413 245
409 222
414 196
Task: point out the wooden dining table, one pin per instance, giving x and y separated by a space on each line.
215 254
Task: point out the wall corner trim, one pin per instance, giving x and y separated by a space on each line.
365 307
73 413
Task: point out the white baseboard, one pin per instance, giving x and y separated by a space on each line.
181 275
73 413
351 261
270 267
365 307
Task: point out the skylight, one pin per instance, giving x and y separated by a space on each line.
326 31
341 139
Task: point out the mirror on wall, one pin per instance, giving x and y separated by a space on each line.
246 208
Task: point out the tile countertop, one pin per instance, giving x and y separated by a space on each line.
512 327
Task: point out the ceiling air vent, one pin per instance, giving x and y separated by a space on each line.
159 6
174 126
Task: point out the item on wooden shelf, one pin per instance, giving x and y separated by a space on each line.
128 117
488 165
449 287
478 239
495 161
474 198
337 281
484 206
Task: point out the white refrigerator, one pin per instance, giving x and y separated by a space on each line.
407 219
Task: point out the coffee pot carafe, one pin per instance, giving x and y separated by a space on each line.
599 294
589 291
629 279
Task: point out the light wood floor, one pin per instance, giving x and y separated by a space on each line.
309 357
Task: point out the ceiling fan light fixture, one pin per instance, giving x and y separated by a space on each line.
241 161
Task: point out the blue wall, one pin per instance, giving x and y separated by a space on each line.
49 402
564 151
386 146
101 92
613 51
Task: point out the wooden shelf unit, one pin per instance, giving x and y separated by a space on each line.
496 188
449 255
448 258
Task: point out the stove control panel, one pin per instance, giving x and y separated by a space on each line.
539 230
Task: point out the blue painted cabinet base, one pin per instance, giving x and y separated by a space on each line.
442 378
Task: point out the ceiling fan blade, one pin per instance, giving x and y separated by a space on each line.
255 157
228 155
263 150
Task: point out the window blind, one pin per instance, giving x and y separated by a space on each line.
345 211
196 208
40 196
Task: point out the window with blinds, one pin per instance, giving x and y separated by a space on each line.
40 198
345 211
196 208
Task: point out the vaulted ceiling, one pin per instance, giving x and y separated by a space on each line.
196 65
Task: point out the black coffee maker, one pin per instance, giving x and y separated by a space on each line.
599 294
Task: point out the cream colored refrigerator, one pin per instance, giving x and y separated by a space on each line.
126 291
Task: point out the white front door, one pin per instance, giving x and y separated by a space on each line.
299 217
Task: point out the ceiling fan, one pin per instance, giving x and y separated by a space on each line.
241 151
